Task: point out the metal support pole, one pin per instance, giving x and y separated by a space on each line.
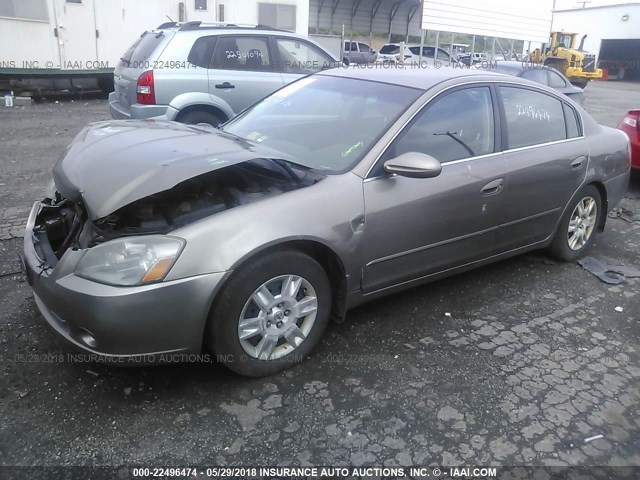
473 48
410 14
318 16
453 36
342 45
493 49
423 34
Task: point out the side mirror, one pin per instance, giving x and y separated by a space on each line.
414 165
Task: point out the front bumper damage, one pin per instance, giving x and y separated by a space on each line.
141 324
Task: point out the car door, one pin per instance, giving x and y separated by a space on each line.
366 54
241 70
546 158
296 58
417 227
351 52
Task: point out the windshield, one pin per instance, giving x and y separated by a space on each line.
506 70
389 49
323 122
142 48
565 41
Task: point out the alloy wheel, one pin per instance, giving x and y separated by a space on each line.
277 317
582 223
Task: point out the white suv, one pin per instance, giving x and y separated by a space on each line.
390 53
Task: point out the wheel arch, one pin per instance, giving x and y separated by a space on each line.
603 195
202 108
328 259
605 204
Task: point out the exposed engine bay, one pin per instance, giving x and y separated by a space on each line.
66 224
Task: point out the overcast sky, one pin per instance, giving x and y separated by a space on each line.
567 4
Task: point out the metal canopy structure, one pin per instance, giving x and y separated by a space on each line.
400 17
506 19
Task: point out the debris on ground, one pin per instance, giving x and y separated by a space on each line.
591 439
612 274
127 391
91 372
619 309
624 214
20 392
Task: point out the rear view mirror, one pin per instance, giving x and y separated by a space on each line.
414 165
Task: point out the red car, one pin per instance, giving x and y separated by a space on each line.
631 126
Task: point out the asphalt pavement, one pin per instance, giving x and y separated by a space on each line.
523 362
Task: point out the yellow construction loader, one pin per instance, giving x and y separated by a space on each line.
561 53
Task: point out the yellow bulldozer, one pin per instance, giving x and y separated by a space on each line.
561 53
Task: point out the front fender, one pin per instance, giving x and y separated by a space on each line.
323 213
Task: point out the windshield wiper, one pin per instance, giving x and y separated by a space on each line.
464 145
286 166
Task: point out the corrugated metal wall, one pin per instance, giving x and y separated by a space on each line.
356 16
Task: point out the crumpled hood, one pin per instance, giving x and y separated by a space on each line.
112 164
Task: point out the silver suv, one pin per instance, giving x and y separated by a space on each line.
206 73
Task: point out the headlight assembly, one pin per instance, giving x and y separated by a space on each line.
131 261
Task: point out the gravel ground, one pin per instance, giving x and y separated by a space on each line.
512 364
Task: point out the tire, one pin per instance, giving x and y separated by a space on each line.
200 116
105 84
250 356
565 245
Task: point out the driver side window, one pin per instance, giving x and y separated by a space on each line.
457 125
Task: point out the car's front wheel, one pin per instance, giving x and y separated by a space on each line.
271 314
578 226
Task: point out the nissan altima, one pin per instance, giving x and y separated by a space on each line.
161 240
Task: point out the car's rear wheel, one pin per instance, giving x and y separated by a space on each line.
200 116
271 314
578 227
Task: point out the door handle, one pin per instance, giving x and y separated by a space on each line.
225 85
493 187
577 163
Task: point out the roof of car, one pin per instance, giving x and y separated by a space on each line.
199 25
422 78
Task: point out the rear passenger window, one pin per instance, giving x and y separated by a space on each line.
241 53
201 51
142 49
573 129
300 57
555 80
458 125
536 75
532 117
